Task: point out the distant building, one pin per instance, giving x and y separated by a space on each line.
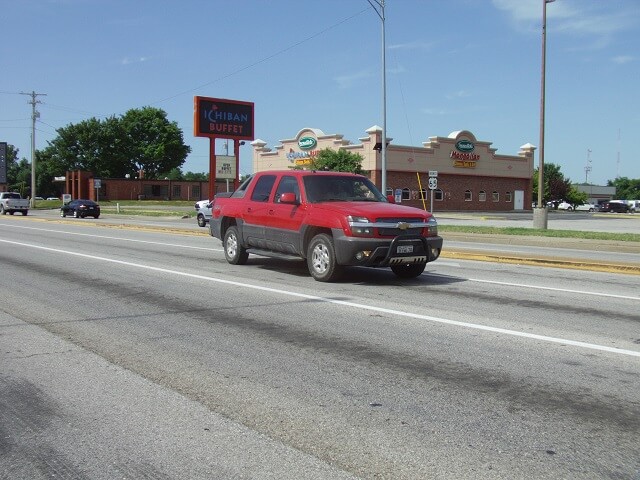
83 184
470 174
596 194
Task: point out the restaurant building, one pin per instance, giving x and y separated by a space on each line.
459 171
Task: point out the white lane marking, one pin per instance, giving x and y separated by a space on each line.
360 306
440 262
114 238
566 290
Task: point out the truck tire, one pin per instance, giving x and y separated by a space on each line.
2 210
321 259
411 270
234 252
63 214
201 220
75 214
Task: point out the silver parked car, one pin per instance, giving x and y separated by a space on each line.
586 207
203 207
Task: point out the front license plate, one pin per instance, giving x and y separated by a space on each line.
405 249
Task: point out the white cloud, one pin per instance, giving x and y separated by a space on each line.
435 111
574 17
348 81
622 59
458 94
412 46
129 61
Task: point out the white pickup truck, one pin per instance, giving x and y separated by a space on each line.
11 202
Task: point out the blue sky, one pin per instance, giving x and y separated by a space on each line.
451 65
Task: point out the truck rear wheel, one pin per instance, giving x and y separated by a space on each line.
321 259
411 270
234 252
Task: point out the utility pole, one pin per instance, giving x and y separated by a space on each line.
587 168
34 115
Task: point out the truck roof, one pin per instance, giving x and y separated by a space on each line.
303 173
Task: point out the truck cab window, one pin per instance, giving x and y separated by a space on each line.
263 188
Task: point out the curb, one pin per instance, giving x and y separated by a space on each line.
574 264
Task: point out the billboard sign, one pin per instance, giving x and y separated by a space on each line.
226 167
221 118
3 162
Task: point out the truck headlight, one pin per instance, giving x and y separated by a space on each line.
433 227
360 226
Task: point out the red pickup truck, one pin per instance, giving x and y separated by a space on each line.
330 219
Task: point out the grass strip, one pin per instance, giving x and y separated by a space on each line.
534 232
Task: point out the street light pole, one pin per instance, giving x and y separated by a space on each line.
383 146
540 213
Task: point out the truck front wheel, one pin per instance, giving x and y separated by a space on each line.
234 252
411 270
321 259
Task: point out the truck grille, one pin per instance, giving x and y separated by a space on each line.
394 232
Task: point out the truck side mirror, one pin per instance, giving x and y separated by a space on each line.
288 197
391 199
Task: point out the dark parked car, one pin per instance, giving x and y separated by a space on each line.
80 209
617 207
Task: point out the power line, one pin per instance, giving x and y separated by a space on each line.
264 59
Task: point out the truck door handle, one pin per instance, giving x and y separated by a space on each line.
248 209
271 212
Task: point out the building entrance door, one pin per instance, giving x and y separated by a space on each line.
518 200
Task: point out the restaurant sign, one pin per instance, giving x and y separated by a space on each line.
220 118
307 143
465 146
462 156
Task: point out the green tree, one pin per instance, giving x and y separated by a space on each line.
154 144
337 161
556 186
139 139
199 177
173 174
626 188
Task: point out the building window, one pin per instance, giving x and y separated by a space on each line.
389 192
482 196
507 197
423 194
439 195
406 194
177 191
196 191
468 196
495 196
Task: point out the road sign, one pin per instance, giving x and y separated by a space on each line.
433 183
433 173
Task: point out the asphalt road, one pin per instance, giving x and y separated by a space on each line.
562 252
132 353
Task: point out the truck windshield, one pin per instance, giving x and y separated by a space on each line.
340 188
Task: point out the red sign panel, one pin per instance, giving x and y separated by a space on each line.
220 118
